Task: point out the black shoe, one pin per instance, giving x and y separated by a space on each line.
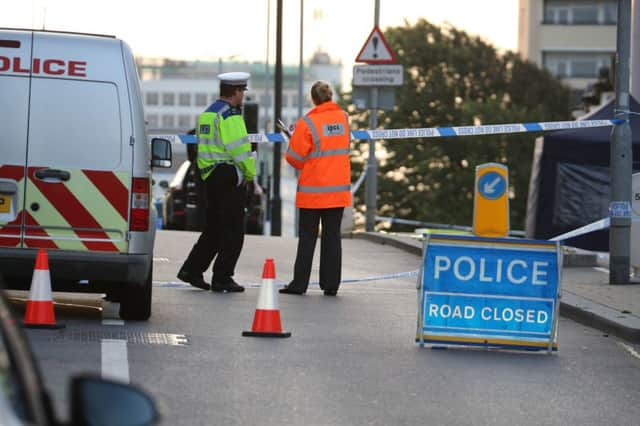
229 286
288 290
196 281
330 292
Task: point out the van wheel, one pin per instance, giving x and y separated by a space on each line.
135 303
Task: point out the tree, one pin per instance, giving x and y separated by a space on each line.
605 83
454 79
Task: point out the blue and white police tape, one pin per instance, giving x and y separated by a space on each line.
253 138
434 227
489 129
441 132
598 225
586 229
356 186
407 274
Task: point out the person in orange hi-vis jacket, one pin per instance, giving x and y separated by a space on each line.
319 149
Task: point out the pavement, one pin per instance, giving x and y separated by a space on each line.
586 295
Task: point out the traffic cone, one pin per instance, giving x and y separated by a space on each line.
39 313
266 321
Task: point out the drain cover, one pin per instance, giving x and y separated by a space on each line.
130 336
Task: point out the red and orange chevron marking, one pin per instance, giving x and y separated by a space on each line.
72 209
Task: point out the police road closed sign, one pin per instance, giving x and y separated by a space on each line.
489 292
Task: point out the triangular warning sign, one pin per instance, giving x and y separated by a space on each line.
376 50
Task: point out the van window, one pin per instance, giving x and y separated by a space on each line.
73 120
13 119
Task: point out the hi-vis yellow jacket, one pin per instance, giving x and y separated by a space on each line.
222 138
319 148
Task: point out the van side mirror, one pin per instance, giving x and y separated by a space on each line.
97 401
160 152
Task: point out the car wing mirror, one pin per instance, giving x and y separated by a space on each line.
160 152
97 401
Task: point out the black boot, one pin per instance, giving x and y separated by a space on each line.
229 286
195 280
287 289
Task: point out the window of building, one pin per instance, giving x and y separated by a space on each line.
552 14
168 121
152 121
265 100
574 12
562 15
168 99
587 14
201 99
184 122
611 13
576 64
151 98
561 69
584 68
184 99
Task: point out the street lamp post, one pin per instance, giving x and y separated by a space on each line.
276 206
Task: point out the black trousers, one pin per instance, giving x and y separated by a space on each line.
330 248
223 235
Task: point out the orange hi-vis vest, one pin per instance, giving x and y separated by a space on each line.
319 148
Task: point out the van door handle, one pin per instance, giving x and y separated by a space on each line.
53 174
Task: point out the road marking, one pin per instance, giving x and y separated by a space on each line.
630 349
601 269
115 362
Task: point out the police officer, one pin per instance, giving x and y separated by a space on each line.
319 149
227 168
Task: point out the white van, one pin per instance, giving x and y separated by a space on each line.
75 166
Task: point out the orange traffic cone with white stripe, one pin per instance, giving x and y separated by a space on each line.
39 313
266 322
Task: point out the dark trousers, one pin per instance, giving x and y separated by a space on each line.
330 248
223 234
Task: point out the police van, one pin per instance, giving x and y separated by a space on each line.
75 166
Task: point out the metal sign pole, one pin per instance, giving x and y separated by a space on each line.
372 165
621 158
420 287
553 337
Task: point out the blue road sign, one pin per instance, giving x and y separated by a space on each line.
489 291
492 185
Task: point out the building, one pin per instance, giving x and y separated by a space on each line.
573 39
176 92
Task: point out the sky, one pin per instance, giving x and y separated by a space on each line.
215 29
